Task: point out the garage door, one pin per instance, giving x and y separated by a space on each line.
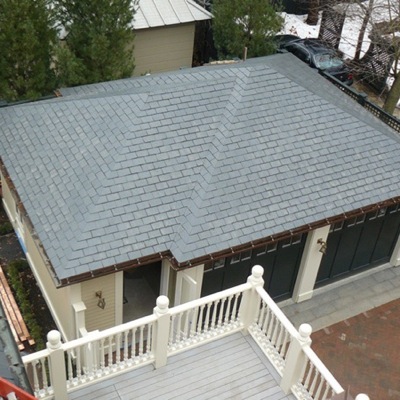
360 243
280 261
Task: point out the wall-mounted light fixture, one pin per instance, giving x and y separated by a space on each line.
324 246
102 301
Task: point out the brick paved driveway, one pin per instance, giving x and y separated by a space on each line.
363 352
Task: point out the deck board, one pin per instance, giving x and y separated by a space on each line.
229 368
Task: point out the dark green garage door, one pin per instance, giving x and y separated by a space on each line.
360 243
280 261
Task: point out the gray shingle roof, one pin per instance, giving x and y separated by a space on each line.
194 161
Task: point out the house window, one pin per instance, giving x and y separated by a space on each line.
351 222
245 255
212 265
296 239
272 247
260 251
373 215
267 249
235 258
219 263
382 212
338 226
360 219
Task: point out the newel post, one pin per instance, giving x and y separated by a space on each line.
58 375
161 331
249 305
296 358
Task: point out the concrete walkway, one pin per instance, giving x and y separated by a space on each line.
346 298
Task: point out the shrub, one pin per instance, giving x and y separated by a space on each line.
17 271
5 228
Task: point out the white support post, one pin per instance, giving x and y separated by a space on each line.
249 305
395 258
309 265
79 311
296 358
161 332
58 375
362 396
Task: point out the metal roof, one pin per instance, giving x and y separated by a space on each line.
193 161
156 13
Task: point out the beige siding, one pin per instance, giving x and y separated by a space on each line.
97 318
60 300
8 200
57 299
163 49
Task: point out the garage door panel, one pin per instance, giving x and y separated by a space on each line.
237 270
367 241
388 237
346 248
364 242
280 261
325 268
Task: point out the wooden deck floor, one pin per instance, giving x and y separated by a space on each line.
229 368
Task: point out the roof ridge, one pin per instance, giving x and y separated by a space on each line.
205 180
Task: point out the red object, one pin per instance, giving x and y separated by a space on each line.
7 387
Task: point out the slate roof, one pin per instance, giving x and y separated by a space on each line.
194 161
156 13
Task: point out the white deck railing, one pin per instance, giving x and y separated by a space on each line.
102 355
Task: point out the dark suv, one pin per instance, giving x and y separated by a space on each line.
317 54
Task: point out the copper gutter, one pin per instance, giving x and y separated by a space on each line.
178 266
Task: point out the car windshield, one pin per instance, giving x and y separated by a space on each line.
324 61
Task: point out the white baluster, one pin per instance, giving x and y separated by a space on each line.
186 326
141 341
307 381
110 354
45 381
149 333
227 316
70 369
126 346
200 327
36 386
102 355
221 312
320 386
207 320
171 340
133 344
214 314
235 315
118 348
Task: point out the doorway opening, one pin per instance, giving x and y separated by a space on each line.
141 289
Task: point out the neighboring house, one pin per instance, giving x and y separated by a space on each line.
190 178
164 34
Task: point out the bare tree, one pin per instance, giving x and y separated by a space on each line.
379 22
313 12
367 15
